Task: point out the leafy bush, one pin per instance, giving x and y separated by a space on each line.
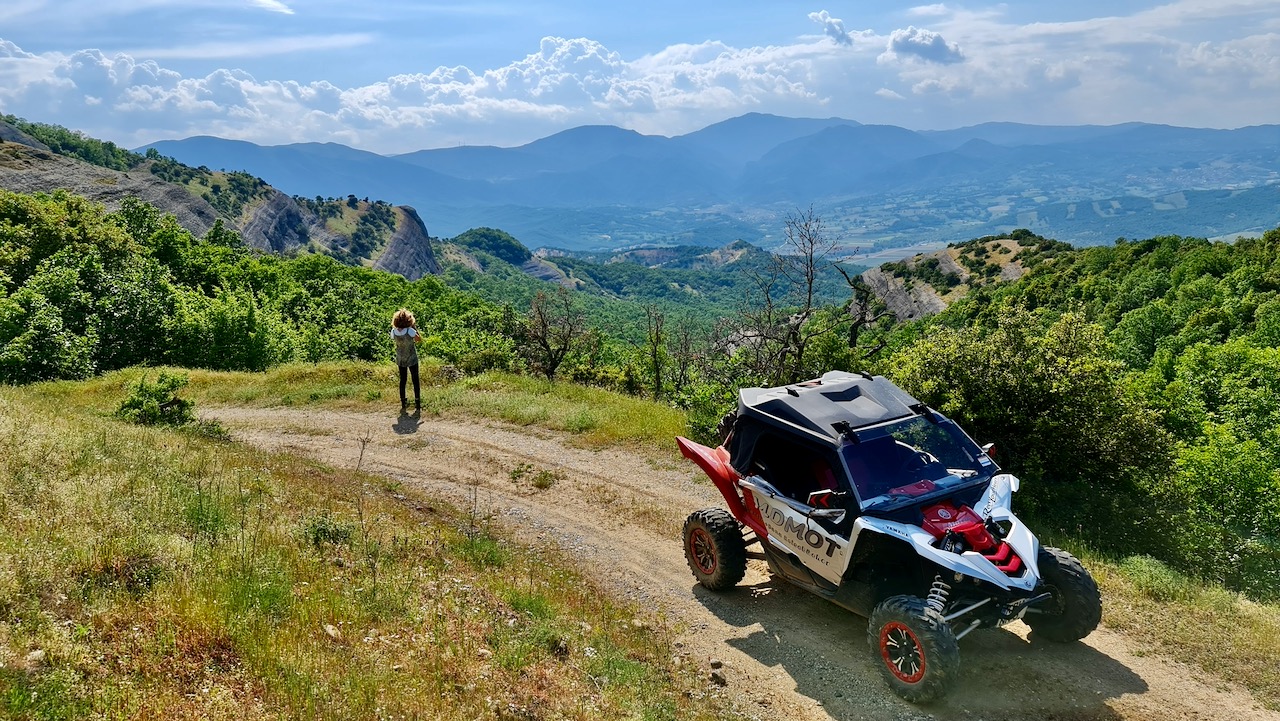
151 404
1051 401
323 529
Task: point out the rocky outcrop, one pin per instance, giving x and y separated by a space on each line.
25 169
905 303
907 296
544 270
10 134
408 252
277 224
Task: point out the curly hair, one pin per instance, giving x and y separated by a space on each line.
404 319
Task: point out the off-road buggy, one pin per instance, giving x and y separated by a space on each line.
861 494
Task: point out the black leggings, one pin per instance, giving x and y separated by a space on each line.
417 390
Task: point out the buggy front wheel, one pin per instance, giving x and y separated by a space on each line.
714 548
914 648
1075 606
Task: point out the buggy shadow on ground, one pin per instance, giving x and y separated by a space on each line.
1003 675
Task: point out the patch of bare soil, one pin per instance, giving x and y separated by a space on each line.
786 654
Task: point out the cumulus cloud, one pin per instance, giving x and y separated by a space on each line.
832 27
9 50
888 94
927 45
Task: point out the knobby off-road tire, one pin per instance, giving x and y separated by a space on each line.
714 548
1076 606
913 646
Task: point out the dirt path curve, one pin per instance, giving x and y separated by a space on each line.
787 654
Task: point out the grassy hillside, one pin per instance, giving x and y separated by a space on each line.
353 231
149 572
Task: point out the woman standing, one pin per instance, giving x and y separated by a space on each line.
404 331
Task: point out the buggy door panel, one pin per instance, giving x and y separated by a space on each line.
824 552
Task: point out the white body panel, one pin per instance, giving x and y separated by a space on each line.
792 531
827 554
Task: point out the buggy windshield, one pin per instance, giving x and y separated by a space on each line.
900 462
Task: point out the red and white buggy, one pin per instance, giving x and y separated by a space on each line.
861 494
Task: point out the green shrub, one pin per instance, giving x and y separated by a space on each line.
323 528
151 404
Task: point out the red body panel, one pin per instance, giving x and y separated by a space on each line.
947 517
944 517
715 463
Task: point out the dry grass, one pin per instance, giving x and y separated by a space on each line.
1226 635
594 417
152 573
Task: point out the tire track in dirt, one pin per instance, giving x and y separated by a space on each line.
787 654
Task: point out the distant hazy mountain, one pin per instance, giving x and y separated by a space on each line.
602 187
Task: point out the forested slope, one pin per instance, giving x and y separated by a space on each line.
1137 387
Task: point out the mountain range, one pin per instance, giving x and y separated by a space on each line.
876 186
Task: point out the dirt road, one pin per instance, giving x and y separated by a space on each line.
787 654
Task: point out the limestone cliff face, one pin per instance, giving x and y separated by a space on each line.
905 303
408 252
277 224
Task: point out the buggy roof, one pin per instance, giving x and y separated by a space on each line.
812 407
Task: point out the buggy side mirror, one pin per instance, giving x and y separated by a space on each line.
827 498
835 515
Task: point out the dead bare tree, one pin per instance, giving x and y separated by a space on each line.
681 349
780 322
783 317
861 309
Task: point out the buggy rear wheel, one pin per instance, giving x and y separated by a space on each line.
714 548
914 647
1075 607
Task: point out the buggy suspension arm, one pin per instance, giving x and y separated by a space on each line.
715 463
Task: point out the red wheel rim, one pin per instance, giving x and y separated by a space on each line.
703 551
901 652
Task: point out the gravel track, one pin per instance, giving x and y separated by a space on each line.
786 653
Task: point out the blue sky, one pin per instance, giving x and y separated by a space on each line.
401 75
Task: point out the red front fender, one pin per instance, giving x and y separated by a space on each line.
715 463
